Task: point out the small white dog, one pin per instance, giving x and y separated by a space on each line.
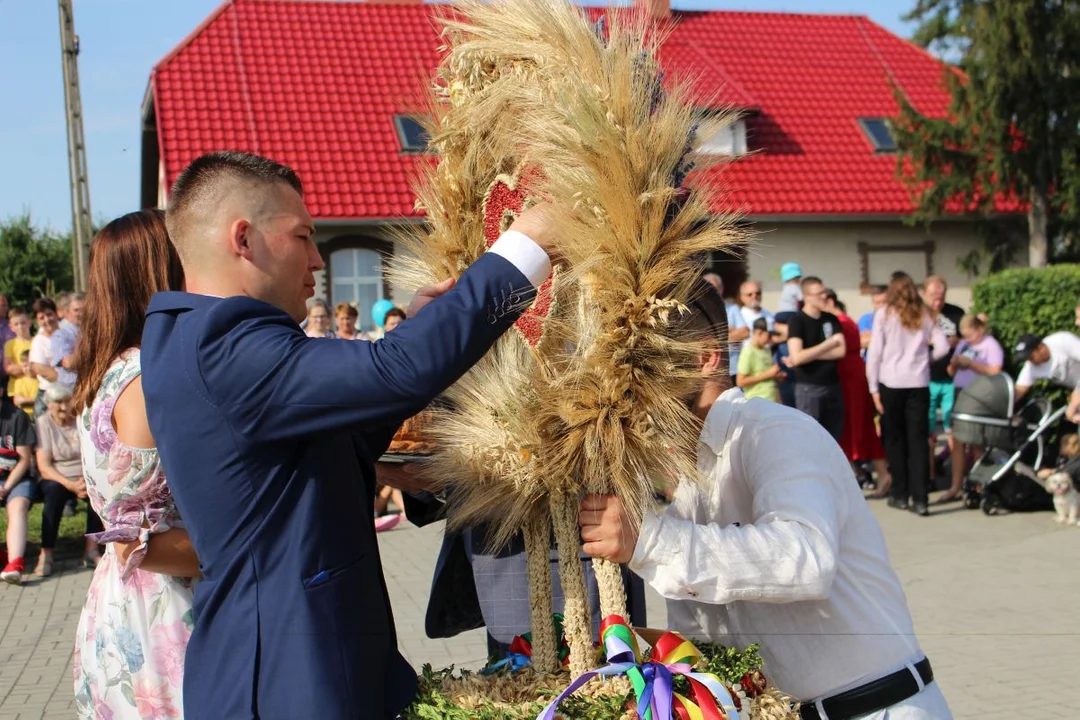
1066 498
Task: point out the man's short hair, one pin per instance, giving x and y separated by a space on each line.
63 300
76 297
810 280
44 304
395 312
346 309
206 181
16 312
879 289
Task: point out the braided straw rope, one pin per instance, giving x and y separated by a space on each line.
577 620
609 582
537 534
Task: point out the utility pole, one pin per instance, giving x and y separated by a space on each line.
82 224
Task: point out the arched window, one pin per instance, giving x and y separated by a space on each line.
356 277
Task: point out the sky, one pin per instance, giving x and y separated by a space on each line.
120 41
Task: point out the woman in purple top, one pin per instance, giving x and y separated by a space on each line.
904 340
977 354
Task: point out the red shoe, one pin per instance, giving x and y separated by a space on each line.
13 572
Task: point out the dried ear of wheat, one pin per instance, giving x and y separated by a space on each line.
531 89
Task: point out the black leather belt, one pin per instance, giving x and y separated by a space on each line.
871 697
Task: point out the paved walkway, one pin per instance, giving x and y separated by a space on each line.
995 602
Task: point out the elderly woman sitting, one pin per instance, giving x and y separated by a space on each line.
60 467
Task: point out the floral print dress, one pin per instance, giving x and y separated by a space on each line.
134 629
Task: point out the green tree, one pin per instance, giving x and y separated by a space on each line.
1012 126
33 262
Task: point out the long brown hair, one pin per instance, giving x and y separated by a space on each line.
904 300
131 258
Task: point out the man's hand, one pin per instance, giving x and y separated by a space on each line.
606 531
426 294
1072 414
405 477
877 403
538 223
773 372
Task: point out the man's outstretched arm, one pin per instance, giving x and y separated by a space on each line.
280 383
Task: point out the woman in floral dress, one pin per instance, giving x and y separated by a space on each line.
133 632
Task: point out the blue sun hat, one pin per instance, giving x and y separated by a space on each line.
379 310
790 271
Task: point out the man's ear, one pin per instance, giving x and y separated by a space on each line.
240 238
710 362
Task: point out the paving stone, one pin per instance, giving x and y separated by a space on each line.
994 602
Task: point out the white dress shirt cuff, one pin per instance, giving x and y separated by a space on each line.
524 254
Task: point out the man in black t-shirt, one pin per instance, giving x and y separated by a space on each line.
942 392
815 343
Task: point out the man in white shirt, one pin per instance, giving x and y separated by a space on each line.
750 304
1056 358
777 546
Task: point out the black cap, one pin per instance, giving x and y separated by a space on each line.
761 324
1025 346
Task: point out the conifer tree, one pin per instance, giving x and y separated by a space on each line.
1012 133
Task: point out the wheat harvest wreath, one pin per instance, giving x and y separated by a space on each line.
534 102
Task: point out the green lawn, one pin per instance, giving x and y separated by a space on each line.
69 544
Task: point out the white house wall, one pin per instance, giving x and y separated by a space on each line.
829 250
826 249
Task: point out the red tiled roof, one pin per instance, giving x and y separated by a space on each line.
316 85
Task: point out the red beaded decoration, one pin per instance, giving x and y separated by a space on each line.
505 200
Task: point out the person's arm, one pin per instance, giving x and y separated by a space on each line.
738 329
161 549
875 353
789 553
169 553
47 470
738 334
1024 381
39 360
258 362
799 355
995 360
12 366
837 347
744 380
940 343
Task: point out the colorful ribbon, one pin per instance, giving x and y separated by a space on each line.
653 681
519 655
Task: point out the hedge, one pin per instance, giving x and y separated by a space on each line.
1028 300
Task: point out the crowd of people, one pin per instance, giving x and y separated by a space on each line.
236 581
40 456
883 386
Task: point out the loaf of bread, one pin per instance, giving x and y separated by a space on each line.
409 439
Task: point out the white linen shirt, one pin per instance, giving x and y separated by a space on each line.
779 548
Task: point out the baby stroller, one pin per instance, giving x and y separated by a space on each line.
1014 442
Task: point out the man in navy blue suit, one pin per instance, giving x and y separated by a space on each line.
269 439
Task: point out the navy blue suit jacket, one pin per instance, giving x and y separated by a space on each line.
268 440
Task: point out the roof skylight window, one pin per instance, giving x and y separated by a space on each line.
411 133
879 133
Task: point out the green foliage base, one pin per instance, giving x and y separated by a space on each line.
729 664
